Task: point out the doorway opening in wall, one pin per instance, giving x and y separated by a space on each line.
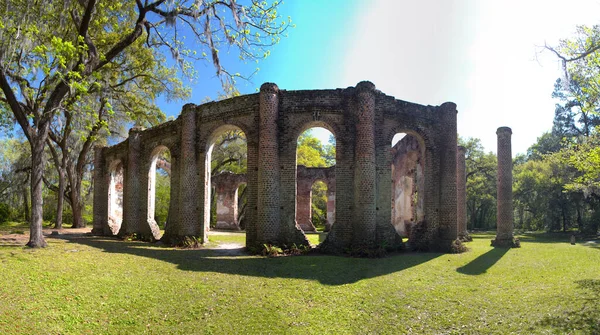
226 165
315 183
115 197
159 188
407 184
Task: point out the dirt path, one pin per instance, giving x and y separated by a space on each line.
22 239
221 249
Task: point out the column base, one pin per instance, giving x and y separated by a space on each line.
97 231
182 241
465 237
512 242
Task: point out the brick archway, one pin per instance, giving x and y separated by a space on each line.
363 119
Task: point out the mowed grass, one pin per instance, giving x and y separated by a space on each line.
94 285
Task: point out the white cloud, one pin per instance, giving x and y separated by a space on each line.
480 54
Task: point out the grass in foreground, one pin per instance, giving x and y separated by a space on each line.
94 285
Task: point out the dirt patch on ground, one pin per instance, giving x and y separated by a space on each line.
22 239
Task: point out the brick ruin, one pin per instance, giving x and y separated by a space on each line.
363 121
226 185
504 212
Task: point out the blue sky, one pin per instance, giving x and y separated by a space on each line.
482 55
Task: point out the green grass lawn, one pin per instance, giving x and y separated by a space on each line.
108 286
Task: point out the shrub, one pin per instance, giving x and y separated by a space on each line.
5 212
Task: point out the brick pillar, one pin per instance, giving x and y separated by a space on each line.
132 188
227 206
448 230
100 193
365 168
188 177
330 206
504 214
268 206
303 200
461 194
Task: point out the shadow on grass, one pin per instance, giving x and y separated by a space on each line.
586 319
328 270
482 263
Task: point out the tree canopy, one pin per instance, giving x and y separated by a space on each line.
67 65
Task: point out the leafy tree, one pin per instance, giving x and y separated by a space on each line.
312 153
481 185
14 176
319 204
230 153
56 52
577 120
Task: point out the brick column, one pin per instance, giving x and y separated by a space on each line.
448 230
268 218
461 194
227 206
365 168
303 201
132 188
188 176
504 214
330 206
100 193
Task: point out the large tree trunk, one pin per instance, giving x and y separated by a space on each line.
75 198
25 192
77 206
61 198
37 142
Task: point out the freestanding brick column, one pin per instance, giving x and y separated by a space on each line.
504 215
268 218
448 230
100 193
132 217
365 168
461 194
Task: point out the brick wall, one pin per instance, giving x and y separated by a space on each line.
362 119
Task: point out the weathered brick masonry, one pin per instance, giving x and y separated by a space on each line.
504 213
362 119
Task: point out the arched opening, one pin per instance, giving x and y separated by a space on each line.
408 186
315 182
159 187
226 164
115 197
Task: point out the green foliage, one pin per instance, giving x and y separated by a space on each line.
230 153
5 213
77 72
319 204
163 196
312 153
270 250
481 185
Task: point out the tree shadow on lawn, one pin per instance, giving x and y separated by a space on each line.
328 270
482 263
586 319
557 237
